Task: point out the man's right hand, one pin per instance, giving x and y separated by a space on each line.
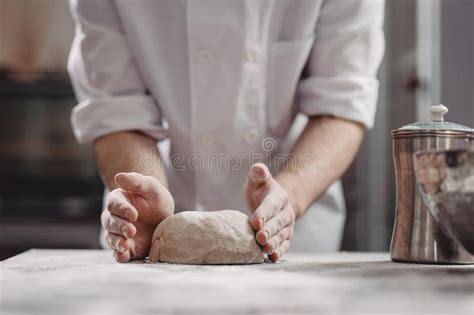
132 213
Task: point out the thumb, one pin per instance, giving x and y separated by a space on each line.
146 186
258 174
257 178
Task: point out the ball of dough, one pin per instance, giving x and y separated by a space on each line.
219 237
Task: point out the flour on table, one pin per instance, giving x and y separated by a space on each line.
219 237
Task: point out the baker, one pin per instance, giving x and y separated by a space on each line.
182 98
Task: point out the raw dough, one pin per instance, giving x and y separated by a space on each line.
219 237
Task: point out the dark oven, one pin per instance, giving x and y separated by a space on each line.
50 193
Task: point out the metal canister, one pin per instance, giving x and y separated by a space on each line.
416 235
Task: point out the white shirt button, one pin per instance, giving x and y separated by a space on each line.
251 136
205 56
250 55
208 139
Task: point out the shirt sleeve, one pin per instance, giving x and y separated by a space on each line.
112 96
340 77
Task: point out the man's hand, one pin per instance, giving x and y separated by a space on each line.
273 215
132 213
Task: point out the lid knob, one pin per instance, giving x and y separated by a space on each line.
438 112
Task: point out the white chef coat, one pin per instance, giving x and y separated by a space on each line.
226 78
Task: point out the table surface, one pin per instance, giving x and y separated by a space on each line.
91 282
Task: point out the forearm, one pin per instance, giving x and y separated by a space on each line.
128 151
321 155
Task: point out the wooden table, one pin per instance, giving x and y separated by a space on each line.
86 281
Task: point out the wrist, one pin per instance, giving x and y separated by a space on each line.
126 151
291 183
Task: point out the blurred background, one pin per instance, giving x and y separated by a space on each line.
51 194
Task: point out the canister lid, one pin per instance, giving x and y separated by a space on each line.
437 126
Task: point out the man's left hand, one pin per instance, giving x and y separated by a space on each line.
273 216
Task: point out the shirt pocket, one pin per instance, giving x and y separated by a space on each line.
286 62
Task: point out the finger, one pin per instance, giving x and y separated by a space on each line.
122 257
118 242
119 205
117 225
258 174
274 225
269 207
277 240
147 186
104 217
280 251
